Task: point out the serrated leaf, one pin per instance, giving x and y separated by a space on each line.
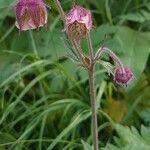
145 132
128 135
130 139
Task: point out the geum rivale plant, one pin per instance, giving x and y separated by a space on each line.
32 14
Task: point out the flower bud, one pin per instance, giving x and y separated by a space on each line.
78 22
123 75
30 14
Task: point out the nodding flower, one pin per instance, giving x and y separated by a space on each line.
123 77
30 14
78 22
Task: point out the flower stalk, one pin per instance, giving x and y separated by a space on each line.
113 56
90 46
90 67
93 106
91 71
60 10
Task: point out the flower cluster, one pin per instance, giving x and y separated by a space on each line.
32 14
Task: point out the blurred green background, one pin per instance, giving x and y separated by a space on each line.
44 100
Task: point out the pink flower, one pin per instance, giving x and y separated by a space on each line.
78 22
123 75
30 14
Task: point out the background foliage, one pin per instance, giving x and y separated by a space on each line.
44 101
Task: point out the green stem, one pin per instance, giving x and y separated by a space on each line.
33 44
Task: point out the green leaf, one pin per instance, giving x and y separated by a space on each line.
50 44
86 146
145 132
98 34
6 137
9 64
145 115
130 139
134 48
138 16
6 8
128 135
78 119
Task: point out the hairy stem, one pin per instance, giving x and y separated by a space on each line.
111 53
60 9
93 107
79 52
91 70
90 45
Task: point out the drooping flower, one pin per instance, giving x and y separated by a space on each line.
30 14
123 75
78 22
